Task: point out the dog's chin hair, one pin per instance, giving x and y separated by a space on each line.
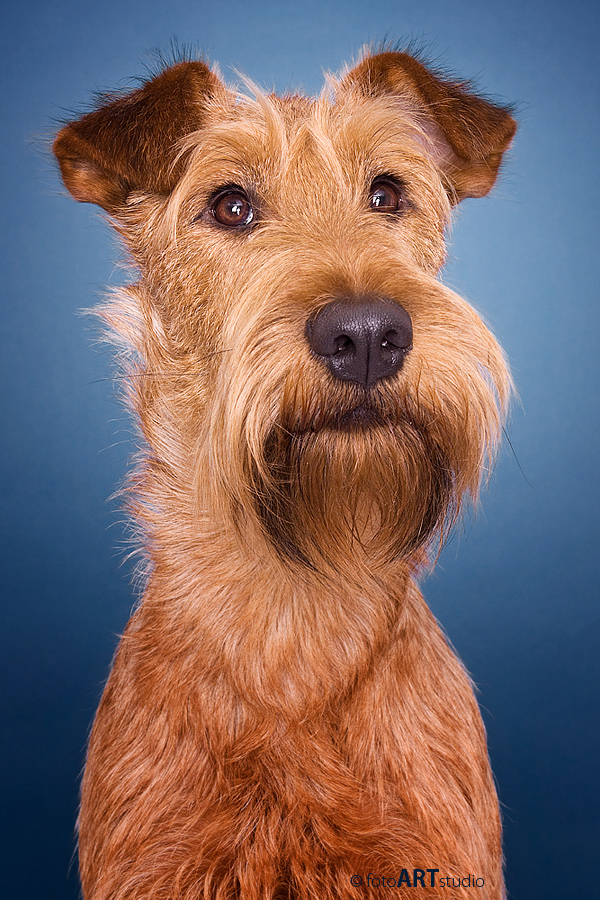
324 496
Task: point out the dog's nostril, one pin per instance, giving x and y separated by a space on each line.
344 344
361 340
399 340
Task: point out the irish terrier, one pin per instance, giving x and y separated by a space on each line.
284 717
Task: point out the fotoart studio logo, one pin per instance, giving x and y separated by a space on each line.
416 878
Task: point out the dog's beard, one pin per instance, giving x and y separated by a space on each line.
333 474
326 496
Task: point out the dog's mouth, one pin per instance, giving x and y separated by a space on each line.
363 417
364 414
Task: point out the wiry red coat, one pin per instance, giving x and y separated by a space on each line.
284 718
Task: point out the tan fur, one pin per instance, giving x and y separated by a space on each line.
284 716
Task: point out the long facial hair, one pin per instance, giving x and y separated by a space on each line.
329 473
340 474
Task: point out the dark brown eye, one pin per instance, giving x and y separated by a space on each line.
388 196
232 209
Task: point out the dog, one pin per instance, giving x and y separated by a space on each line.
284 718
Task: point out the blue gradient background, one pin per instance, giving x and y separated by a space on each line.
516 589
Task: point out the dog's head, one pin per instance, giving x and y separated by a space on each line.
302 356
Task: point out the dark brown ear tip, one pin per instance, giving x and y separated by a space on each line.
187 67
84 180
511 125
62 141
88 183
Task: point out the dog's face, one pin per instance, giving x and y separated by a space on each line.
318 377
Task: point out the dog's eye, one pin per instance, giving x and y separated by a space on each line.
388 196
232 208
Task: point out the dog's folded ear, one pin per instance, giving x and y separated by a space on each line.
467 134
131 143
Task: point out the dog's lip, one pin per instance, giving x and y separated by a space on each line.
363 416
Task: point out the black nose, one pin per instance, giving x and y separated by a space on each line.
361 340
